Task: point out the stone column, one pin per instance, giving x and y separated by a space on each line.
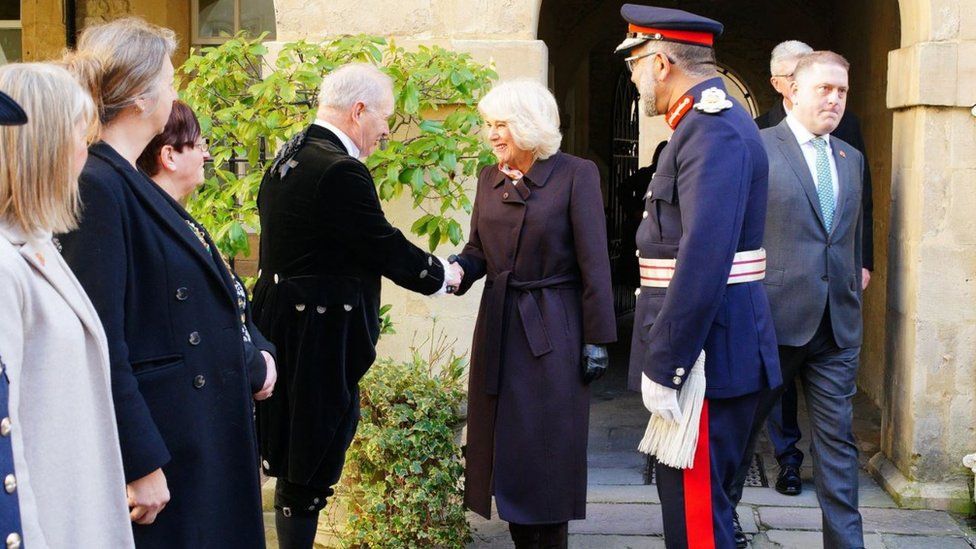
929 412
44 35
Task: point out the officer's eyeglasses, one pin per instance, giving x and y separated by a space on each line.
631 62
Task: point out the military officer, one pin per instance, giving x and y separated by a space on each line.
701 263
10 529
325 244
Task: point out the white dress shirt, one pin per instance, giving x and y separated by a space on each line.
351 147
805 138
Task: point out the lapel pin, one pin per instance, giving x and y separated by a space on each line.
40 258
842 153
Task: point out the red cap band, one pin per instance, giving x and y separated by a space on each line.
688 37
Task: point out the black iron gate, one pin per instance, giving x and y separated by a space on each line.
621 225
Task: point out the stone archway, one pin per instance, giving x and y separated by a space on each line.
919 314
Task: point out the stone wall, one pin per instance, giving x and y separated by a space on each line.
929 414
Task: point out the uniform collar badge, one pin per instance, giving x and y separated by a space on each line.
678 111
713 100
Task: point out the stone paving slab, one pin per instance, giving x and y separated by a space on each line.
890 521
622 494
615 476
787 539
924 542
627 519
581 541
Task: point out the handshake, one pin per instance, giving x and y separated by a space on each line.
453 274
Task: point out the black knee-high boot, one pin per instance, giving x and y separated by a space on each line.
525 536
554 536
296 531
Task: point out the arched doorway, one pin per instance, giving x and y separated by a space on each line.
598 110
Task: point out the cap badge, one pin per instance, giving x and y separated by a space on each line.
713 100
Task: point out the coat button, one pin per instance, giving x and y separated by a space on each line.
13 541
5 426
276 279
505 195
10 483
676 380
637 291
637 253
680 371
644 215
320 310
265 464
299 307
199 381
825 278
194 338
423 273
347 307
650 194
182 293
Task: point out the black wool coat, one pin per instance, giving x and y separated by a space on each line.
542 246
182 371
325 246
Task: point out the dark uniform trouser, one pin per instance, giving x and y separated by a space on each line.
784 428
694 502
829 376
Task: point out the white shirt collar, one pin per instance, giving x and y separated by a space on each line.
351 147
803 135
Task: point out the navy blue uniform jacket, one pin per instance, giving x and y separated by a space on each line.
182 374
706 202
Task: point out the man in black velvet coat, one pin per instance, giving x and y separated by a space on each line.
784 431
325 245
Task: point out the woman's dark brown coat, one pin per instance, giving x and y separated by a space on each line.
542 245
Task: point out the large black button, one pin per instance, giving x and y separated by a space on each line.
182 293
199 381
194 338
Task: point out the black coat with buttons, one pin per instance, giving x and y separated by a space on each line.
185 356
325 246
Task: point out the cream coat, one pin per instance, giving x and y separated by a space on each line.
66 448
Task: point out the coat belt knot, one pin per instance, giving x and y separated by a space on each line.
529 312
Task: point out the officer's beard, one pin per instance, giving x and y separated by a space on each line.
648 99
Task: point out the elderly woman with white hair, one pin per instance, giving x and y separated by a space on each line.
538 235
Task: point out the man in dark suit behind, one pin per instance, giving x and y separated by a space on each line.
814 282
782 426
325 244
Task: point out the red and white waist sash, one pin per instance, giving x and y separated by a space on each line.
747 266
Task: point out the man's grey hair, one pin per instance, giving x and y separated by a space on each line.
694 60
787 53
355 82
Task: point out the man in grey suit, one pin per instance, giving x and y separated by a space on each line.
813 280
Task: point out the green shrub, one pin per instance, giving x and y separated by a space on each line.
402 483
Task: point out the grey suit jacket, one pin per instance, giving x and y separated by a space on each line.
807 268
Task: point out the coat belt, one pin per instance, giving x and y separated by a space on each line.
747 266
529 312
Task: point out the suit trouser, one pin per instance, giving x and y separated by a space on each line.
784 428
829 376
694 502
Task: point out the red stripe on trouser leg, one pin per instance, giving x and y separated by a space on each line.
698 491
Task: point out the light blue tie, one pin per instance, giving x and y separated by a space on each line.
825 183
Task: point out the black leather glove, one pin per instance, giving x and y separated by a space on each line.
595 362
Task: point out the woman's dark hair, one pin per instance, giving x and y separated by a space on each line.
182 130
